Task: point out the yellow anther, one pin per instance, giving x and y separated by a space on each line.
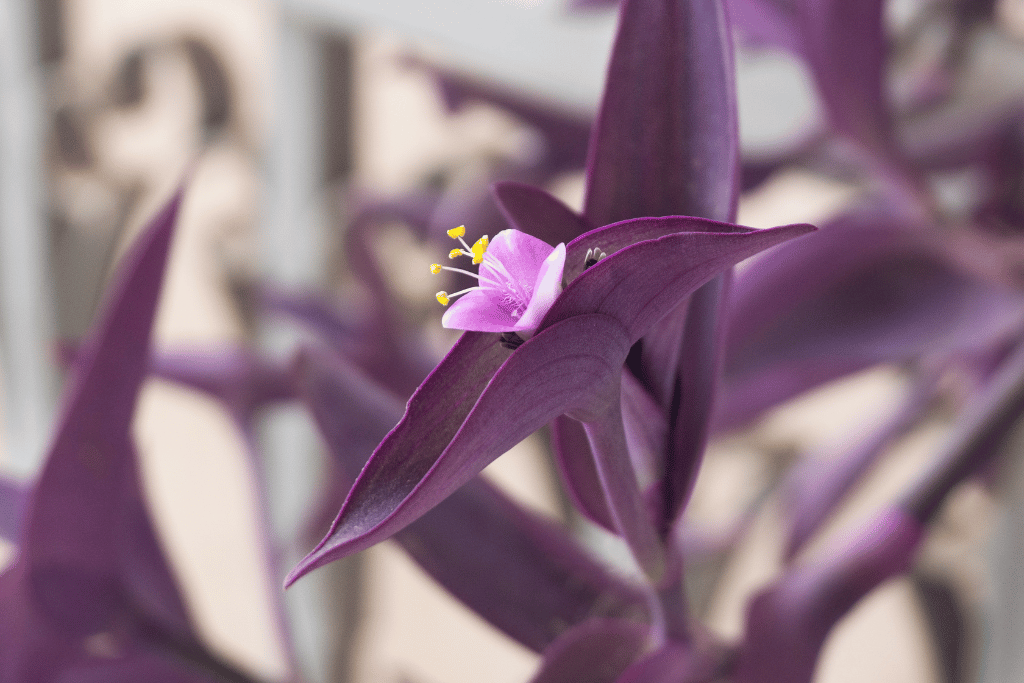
442 298
456 233
478 249
454 253
435 268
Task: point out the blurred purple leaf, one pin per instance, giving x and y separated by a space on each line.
846 47
565 133
787 623
868 288
596 651
89 572
979 436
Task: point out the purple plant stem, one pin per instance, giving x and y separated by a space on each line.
607 438
816 488
976 442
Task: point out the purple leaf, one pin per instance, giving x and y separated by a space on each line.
670 663
699 365
89 565
847 50
565 133
444 439
242 381
866 289
666 140
477 537
70 553
787 623
537 213
767 23
640 284
575 463
596 651
617 475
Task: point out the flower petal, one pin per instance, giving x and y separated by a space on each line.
444 440
545 290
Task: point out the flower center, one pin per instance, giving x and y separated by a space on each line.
519 278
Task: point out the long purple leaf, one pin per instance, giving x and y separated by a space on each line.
787 623
596 651
640 284
70 553
865 289
567 367
617 475
666 140
847 51
477 538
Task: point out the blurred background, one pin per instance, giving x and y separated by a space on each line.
281 113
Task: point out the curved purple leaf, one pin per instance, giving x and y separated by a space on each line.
444 439
666 140
476 538
565 133
847 50
787 623
596 651
626 505
535 212
640 284
864 290
90 564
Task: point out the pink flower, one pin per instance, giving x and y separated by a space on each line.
520 277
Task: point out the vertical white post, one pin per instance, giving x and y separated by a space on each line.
26 321
293 249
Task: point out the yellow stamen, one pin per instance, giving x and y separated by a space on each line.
478 249
456 233
454 253
442 298
435 268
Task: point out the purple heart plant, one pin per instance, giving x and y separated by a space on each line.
624 332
